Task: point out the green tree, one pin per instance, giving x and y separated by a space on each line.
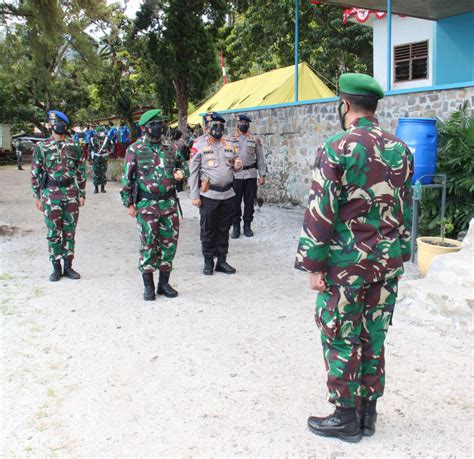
262 39
178 38
47 49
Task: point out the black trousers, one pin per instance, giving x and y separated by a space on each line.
216 219
246 189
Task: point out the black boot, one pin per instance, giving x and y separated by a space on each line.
342 424
208 265
56 274
223 267
96 189
164 287
102 189
69 272
247 230
367 417
235 231
149 283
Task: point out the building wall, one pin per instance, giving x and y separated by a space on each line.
404 30
455 49
292 134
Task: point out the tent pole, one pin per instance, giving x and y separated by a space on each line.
389 45
297 32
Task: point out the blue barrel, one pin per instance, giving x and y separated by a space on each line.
421 136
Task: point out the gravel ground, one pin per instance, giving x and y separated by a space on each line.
232 367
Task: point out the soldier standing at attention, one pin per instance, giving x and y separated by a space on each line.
58 179
151 172
213 162
99 151
245 181
354 241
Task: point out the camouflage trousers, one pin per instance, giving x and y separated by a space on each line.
99 168
159 240
354 322
61 220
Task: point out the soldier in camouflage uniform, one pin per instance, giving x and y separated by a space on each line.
58 179
355 238
213 163
19 154
151 171
99 151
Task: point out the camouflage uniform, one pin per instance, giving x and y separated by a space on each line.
356 230
99 160
148 170
58 177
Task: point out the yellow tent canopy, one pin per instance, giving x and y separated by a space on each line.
274 87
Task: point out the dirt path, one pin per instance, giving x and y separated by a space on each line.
232 367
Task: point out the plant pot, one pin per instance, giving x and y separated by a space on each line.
429 248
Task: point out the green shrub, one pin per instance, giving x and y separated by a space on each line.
456 160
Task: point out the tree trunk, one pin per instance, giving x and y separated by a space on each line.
182 96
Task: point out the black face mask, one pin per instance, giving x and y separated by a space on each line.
59 129
244 128
154 130
342 117
216 131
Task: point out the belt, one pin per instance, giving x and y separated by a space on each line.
250 166
220 188
52 182
156 197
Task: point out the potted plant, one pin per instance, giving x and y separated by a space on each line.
431 246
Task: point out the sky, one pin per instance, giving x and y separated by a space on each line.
131 6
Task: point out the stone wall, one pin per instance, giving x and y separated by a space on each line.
292 134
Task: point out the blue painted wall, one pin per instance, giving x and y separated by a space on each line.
454 49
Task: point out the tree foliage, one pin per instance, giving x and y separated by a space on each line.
456 160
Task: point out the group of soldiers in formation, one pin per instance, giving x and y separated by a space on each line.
354 241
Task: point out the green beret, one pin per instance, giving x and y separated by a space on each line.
149 115
100 128
359 84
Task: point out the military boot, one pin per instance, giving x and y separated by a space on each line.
96 189
208 265
247 230
342 424
367 417
56 274
235 231
164 287
102 189
223 267
69 272
149 283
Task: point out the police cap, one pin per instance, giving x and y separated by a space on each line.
244 118
213 116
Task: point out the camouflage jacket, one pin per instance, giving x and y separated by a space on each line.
95 146
150 168
60 161
356 228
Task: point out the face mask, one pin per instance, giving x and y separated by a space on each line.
59 128
154 130
216 131
342 117
243 127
